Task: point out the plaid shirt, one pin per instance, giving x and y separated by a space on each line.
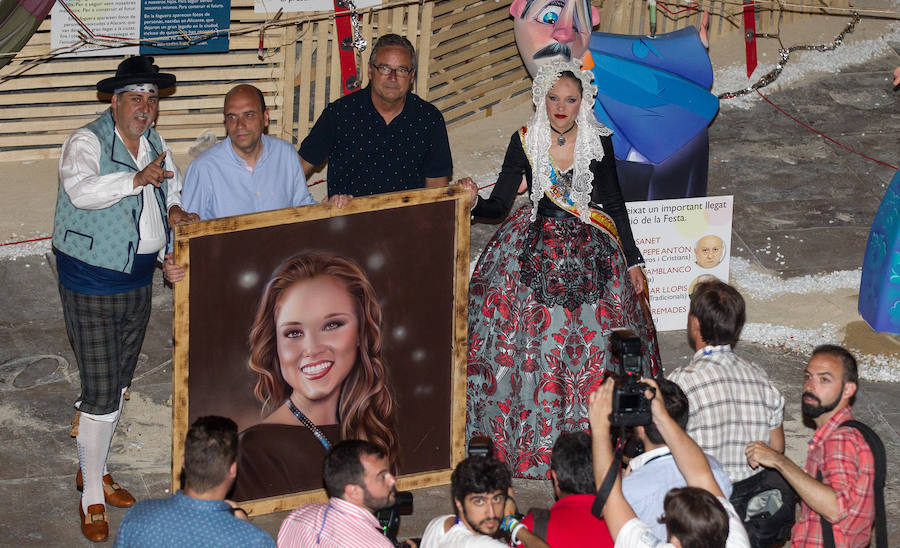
731 402
847 466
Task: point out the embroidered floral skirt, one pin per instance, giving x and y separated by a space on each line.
542 301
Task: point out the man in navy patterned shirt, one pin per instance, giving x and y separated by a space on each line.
383 138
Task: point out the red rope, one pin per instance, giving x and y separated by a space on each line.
26 241
819 133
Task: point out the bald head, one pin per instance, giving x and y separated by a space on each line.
246 118
709 251
246 89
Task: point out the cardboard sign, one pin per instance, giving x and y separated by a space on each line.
682 241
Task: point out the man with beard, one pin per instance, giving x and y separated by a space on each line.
358 478
482 494
837 482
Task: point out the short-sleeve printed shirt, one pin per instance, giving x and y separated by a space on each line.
367 156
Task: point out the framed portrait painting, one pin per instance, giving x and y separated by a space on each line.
314 324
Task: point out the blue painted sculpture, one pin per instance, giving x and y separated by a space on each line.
879 288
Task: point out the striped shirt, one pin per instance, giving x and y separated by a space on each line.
732 402
847 466
338 524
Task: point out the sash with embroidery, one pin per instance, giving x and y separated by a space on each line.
560 196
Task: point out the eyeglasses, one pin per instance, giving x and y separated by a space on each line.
386 70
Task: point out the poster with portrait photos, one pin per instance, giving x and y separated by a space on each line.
684 242
309 283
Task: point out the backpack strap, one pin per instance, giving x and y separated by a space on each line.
880 458
541 520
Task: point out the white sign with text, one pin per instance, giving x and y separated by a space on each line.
683 241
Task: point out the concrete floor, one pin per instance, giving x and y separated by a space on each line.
812 197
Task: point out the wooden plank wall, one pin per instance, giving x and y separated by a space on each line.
468 64
726 18
467 58
41 107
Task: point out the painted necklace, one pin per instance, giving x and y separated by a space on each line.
562 140
309 424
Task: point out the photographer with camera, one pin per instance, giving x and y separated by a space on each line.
358 479
695 516
651 474
481 487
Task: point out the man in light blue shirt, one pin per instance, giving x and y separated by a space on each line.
653 473
248 172
198 516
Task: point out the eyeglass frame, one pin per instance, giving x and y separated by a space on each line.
393 70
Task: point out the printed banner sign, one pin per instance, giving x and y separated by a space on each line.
168 22
683 241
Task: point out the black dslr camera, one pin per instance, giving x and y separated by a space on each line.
389 518
630 407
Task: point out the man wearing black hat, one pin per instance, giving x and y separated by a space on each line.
119 192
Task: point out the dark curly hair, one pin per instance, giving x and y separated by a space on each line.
366 409
479 474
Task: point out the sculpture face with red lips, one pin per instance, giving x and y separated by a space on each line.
549 29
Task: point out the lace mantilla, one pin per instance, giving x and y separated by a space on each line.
588 146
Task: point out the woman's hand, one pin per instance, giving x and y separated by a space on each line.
470 185
636 273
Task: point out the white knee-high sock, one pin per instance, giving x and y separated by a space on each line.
92 442
118 415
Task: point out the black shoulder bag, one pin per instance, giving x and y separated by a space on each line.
880 458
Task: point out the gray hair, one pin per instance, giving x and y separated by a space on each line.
394 40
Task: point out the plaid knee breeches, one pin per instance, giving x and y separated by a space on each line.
106 333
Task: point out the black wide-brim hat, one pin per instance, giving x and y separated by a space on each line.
136 70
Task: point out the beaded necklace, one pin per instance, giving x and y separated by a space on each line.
309 424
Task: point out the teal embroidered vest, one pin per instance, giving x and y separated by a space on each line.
107 237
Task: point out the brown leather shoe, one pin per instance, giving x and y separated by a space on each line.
113 493
95 525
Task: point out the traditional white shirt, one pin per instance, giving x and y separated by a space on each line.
79 165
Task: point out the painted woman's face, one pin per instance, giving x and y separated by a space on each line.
563 101
316 333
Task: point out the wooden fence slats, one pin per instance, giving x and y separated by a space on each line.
467 63
456 44
321 51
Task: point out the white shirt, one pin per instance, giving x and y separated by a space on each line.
457 536
636 534
79 168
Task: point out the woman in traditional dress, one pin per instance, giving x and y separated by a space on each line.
559 275
316 348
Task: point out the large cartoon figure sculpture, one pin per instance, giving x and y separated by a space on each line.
653 93
879 287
